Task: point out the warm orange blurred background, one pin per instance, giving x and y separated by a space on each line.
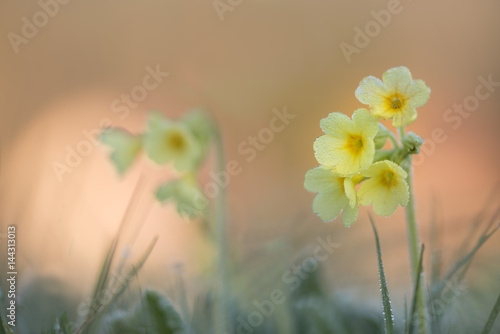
240 62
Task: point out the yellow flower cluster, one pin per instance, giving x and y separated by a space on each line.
353 167
184 143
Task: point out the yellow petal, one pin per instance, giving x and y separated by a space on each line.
335 124
405 117
325 150
385 203
397 169
350 215
350 191
321 179
366 157
200 125
357 178
125 147
368 192
365 122
418 94
397 79
327 205
402 193
371 91
157 121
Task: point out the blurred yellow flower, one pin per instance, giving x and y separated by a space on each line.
348 144
186 193
336 194
125 147
170 141
386 187
201 126
397 97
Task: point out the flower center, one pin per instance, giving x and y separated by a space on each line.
176 141
388 178
355 144
396 103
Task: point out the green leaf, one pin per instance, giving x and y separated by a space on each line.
386 300
64 324
164 317
493 315
154 314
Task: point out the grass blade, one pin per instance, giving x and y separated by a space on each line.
103 280
493 315
474 226
133 273
386 300
416 291
406 316
464 261
4 327
100 312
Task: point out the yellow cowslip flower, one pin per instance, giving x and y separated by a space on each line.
186 193
395 97
386 187
171 141
336 194
201 126
125 147
200 123
348 144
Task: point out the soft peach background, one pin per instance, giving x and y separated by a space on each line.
263 55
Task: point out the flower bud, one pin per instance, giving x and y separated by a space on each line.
412 143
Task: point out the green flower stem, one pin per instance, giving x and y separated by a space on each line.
413 246
401 133
221 311
393 139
